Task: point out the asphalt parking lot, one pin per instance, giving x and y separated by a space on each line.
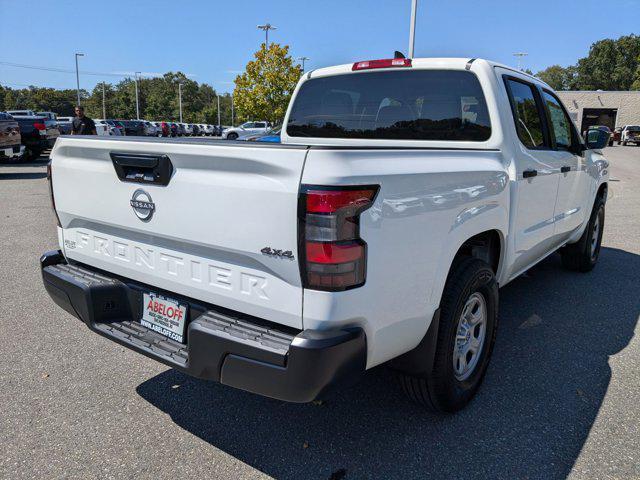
561 397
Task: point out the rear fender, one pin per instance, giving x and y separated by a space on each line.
468 223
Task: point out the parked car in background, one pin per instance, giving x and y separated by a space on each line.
630 134
195 129
245 129
602 128
188 129
21 113
65 124
106 128
165 130
150 129
181 129
11 147
37 134
49 115
117 125
272 136
134 127
617 134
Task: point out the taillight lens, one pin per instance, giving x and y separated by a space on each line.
39 126
53 201
333 256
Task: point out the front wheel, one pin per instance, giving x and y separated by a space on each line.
232 136
583 255
466 335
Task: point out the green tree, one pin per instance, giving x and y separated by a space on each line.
610 65
559 78
3 94
263 91
636 82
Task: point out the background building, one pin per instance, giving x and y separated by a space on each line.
613 109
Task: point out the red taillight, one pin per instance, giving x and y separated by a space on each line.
384 63
333 254
39 126
53 201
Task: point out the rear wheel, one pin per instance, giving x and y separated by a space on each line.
583 255
31 154
466 334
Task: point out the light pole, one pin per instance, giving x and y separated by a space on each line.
78 76
266 27
180 100
520 55
303 59
104 107
137 100
412 27
218 97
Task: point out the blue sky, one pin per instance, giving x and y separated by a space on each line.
213 40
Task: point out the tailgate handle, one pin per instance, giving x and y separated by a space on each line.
142 168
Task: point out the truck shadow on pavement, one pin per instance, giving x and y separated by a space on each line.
22 175
542 393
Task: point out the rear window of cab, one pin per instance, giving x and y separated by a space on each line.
440 105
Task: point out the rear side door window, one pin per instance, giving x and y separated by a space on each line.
527 113
561 131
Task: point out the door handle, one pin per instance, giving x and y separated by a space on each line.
142 168
565 169
529 173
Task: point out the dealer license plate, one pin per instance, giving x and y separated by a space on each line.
164 315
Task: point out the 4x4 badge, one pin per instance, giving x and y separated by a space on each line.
274 252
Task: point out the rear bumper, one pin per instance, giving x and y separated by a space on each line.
243 352
39 143
11 152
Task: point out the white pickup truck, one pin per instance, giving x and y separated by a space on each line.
403 194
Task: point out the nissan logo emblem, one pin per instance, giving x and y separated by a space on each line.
143 205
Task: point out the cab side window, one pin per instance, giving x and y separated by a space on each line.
526 113
560 122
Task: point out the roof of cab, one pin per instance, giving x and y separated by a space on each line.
452 63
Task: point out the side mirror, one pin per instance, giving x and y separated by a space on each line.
597 139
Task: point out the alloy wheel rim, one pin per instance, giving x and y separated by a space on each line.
470 336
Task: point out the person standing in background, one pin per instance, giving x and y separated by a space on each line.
82 125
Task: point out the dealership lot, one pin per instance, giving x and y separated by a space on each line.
561 397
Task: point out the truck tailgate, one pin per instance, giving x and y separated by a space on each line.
224 204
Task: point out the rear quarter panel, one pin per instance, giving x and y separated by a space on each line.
429 203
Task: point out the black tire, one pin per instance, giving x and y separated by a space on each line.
583 255
624 143
31 154
440 389
232 136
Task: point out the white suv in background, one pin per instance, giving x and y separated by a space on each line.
245 129
104 128
630 133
